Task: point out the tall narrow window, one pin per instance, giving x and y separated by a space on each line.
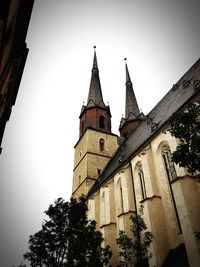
102 122
171 175
103 209
142 182
101 144
169 165
121 197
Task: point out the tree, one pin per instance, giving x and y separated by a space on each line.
67 238
185 125
135 249
126 254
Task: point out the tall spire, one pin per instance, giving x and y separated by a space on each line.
133 117
131 102
95 93
95 114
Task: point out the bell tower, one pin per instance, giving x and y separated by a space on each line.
96 143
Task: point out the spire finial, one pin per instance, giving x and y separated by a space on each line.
128 79
95 66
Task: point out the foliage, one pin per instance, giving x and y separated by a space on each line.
67 238
186 127
126 249
135 249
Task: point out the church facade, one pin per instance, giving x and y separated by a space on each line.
120 173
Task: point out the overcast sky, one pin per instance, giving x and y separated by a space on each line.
160 39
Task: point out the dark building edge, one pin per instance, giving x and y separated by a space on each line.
14 22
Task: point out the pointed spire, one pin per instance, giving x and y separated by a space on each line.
95 65
131 102
95 114
128 79
95 93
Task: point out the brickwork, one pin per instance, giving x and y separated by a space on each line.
129 127
96 118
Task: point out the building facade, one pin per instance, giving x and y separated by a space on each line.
14 21
120 173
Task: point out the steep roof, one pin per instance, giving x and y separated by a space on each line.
131 105
132 111
183 91
95 97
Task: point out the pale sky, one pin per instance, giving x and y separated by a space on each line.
159 38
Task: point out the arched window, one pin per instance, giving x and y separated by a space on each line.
171 175
142 182
102 122
169 165
101 144
120 196
103 209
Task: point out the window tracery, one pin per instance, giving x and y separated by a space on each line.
169 165
171 175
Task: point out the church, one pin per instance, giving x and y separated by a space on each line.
118 174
